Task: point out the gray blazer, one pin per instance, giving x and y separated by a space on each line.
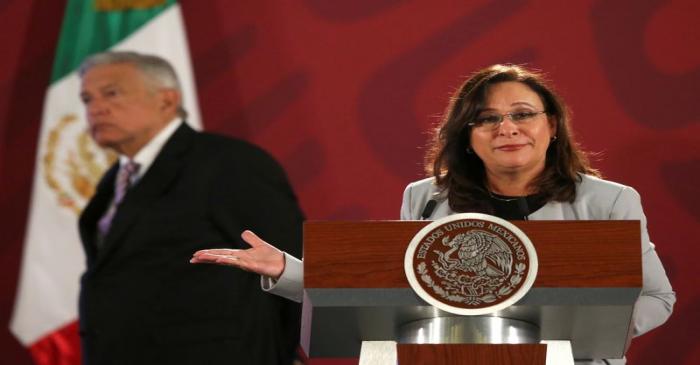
596 199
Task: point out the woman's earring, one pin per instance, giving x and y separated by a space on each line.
554 138
469 150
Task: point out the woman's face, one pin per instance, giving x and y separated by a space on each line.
512 147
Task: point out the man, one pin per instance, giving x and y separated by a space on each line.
172 192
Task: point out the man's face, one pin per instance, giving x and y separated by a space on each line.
124 111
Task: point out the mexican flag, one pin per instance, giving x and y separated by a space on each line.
68 164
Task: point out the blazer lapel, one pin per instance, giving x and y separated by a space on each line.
150 187
94 210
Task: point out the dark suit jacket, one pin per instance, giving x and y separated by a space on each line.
142 302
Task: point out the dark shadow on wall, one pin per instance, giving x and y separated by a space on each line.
655 99
21 128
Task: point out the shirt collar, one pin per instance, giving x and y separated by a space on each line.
148 153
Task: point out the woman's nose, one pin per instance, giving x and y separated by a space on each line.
507 127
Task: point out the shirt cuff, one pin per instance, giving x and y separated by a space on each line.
290 284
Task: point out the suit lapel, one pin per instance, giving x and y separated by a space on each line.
150 187
94 210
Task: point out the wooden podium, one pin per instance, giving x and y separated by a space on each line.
588 280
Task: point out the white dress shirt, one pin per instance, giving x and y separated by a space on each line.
148 153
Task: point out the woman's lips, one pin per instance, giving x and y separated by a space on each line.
511 147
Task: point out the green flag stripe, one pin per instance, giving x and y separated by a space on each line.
86 31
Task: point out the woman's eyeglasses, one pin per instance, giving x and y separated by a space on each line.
491 121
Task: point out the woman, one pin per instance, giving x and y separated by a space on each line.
503 148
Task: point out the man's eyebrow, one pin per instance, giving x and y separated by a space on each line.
108 86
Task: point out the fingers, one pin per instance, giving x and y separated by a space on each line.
217 251
212 257
248 236
229 259
207 258
252 239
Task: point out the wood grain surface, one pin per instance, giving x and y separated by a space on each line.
571 254
470 354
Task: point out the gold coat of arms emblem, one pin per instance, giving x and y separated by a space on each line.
72 163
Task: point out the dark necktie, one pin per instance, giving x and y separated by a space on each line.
124 177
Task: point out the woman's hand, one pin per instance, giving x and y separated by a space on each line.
262 257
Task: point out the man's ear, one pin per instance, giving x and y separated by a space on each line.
170 100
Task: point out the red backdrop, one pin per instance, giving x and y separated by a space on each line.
343 94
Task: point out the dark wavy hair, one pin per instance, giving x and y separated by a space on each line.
462 174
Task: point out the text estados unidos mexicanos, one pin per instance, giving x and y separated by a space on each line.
500 231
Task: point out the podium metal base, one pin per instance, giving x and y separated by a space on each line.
475 330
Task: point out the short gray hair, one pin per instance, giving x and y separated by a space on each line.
156 69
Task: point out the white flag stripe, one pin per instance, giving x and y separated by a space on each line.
53 258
